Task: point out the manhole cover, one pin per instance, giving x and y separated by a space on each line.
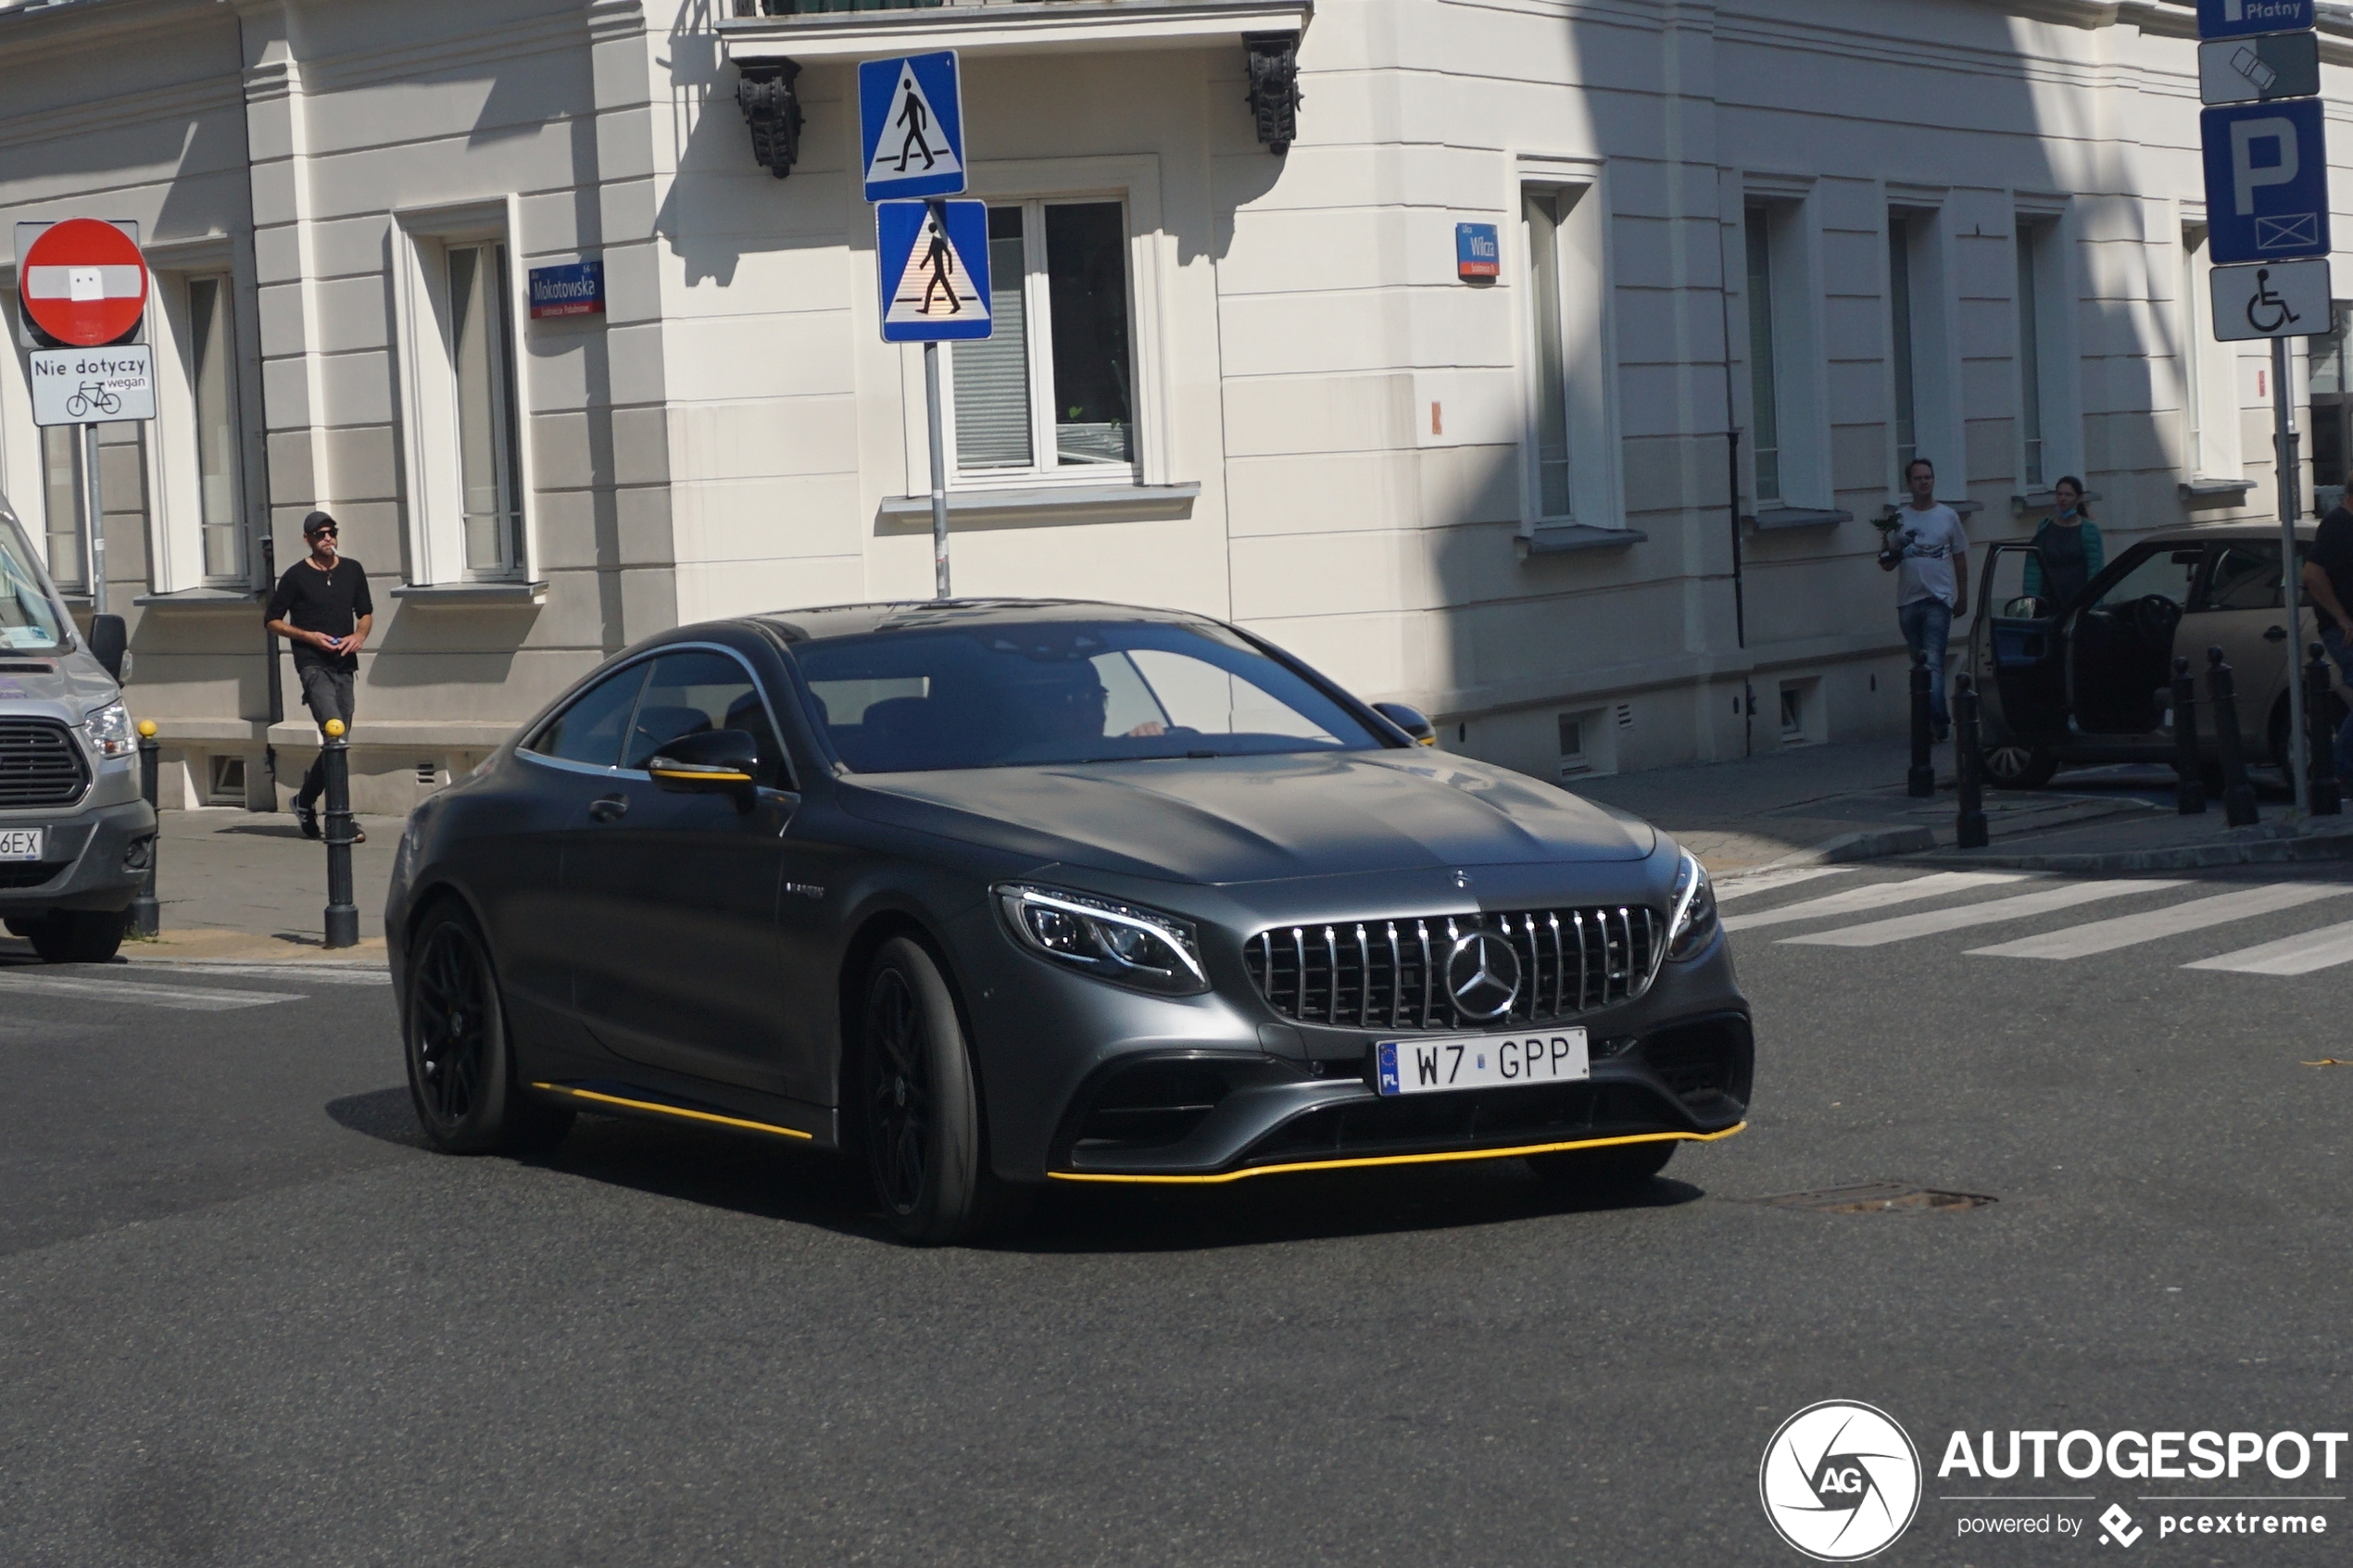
1878 1198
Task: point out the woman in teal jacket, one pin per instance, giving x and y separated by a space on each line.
2068 553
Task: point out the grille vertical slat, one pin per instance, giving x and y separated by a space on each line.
1423 926
39 764
1396 981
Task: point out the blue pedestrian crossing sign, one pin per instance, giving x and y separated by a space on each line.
934 260
2237 18
2266 180
912 112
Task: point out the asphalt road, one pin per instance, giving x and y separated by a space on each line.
245 1319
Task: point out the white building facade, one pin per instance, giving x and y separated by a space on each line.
1609 507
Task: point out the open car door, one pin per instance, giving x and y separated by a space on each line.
2017 654
2120 643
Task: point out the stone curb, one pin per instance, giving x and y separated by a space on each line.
2266 850
1871 844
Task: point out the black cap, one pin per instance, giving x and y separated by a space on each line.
316 521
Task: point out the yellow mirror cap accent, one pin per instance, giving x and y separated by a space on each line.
702 774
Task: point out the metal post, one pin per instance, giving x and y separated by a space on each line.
1967 760
96 521
343 915
1921 782
2290 574
2188 766
2327 799
938 472
146 915
2238 796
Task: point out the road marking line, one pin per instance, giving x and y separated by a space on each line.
1856 899
1904 927
1740 885
2301 954
145 995
2126 931
290 973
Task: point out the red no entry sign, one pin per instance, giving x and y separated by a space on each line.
84 283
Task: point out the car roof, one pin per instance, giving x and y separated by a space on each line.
857 620
2227 533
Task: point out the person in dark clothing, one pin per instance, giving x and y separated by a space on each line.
2328 585
2068 552
321 605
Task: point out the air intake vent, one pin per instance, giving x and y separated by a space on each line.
39 764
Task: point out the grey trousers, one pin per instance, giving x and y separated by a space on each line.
328 693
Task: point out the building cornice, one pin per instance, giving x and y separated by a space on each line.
1067 25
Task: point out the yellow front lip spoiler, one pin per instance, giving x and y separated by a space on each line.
1396 1160
661 1110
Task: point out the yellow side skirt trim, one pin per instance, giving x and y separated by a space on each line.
1397 1159
677 1110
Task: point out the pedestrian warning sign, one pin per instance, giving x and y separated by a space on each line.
912 114
934 263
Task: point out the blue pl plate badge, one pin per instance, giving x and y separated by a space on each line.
1389 1084
934 261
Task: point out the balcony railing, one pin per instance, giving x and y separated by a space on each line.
821 7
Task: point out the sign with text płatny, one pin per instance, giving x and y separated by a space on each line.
88 386
910 116
2236 18
2266 180
574 289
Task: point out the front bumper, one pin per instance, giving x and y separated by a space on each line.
93 859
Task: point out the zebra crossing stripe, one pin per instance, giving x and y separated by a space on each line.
2300 954
1879 896
141 995
2126 931
1877 933
1746 883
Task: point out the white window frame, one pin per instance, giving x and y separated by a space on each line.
2060 383
432 494
1134 182
1801 387
1596 486
176 559
1937 433
2209 371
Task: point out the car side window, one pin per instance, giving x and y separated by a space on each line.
695 691
2164 572
2245 577
589 729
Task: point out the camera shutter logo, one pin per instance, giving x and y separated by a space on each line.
1840 1481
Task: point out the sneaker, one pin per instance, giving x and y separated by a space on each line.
359 834
307 818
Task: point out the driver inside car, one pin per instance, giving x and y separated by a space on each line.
1072 705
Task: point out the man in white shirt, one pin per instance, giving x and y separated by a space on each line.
1929 553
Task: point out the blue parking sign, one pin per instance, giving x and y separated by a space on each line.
2237 18
911 115
2266 180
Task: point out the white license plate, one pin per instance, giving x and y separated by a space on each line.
1490 1061
19 843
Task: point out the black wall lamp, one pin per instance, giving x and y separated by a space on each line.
771 110
1274 87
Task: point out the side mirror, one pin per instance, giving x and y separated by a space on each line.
715 762
1411 720
109 641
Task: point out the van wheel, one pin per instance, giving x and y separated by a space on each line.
2016 764
76 936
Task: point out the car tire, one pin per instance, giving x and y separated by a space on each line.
1612 1170
76 936
2017 764
920 1105
461 1066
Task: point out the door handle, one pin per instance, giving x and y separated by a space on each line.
610 808
2276 635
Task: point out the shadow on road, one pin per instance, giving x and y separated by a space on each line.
800 1186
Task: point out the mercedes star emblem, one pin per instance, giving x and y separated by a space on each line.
1482 975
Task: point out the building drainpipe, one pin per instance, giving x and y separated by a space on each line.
269 667
1732 489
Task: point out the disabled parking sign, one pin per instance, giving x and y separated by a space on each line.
911 112
2266 180
934 260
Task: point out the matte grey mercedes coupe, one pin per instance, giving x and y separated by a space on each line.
999 894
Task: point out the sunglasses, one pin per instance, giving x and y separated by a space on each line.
321 534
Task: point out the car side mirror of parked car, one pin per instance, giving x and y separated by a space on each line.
1410 719
715 762
109 641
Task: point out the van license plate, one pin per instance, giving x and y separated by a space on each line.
1491 1061
19 843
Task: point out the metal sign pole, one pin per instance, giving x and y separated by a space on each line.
938 472
2299 759
95 546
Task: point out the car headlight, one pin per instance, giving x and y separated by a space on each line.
1121 943
1695 920
109 731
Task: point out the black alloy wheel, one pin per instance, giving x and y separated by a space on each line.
76 936
1612 1170
460 1067
922 1104
2017 764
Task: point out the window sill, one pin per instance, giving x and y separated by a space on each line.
1045 504
2043 501
1566 538
200 598
472 592
2231 490
1774 519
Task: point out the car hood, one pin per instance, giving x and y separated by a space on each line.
64 685
1258 818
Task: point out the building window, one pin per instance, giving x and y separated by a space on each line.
481 353
2031 239
2192 351
1052 390
1544 208
211 352
61 498
1899 302
1765 413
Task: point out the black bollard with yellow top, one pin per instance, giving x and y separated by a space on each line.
146 915
343 915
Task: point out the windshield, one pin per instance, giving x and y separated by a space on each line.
29 618
1062 691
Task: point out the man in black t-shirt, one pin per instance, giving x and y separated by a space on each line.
2328 585
322 608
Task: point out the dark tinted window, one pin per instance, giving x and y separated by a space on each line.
1049 692
2245 577
690 693
589 730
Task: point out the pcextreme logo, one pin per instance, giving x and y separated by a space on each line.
1840 1481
